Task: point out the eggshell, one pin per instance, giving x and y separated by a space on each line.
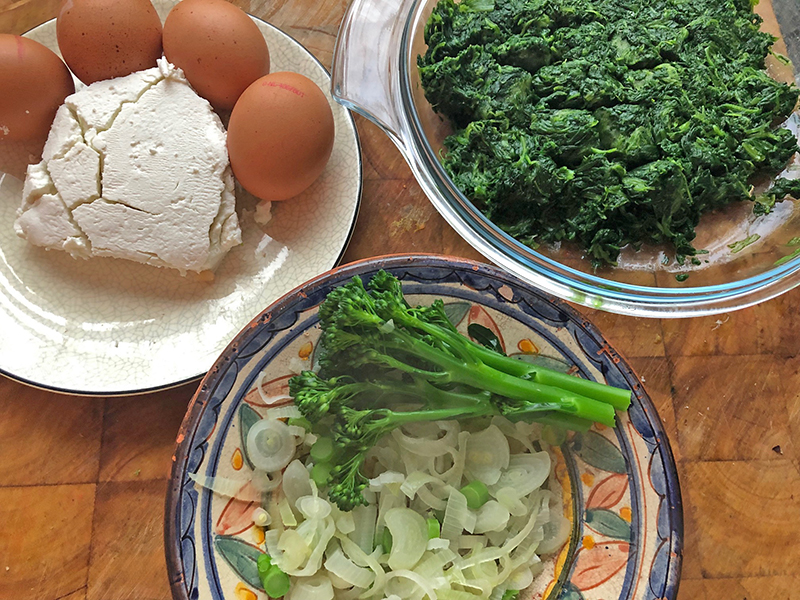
101 39
219 48
33 84
280 136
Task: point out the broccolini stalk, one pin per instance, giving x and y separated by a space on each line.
385 364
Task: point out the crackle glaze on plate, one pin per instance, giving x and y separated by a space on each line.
109 326
620 485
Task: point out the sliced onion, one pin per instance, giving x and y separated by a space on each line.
232 488
389 480
294 551
438 544
317 587
508 497
296 482
554 534
313 507
415 578
455 515
428 446
414 481
348 571
492 516
365 518
345 522
487 454
520 579
526 472
409 537
264 482
284 412
270 446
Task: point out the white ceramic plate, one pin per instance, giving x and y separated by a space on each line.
111 327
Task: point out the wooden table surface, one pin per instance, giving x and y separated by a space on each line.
82 480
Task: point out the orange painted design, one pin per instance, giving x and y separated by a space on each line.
478 314
626 513
258 534
237 516
237 460
271 389
594 566
608 492
244 593
600 427
588 542
305 350
587 479
528 347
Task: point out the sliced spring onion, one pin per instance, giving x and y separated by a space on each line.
321 473
487 454
476 493
276 583
409 533
322 450
434 528
270 446
261 517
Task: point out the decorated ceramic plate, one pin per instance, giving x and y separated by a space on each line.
618 485
109 326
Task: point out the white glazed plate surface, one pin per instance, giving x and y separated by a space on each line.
109 326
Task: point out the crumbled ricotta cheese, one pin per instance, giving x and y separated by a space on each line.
136 168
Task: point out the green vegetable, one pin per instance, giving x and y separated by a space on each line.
300 422
386 540
607 122
434 528
321 473
476 493
322 450
377 352
275 581
510 595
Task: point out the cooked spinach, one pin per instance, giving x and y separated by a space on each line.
607 122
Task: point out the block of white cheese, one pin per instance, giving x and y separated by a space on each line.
136 168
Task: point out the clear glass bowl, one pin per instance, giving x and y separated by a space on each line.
375 74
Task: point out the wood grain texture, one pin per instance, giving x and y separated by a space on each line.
82 481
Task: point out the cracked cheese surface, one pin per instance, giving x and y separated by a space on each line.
134 168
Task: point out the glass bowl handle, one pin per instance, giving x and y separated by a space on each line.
366 62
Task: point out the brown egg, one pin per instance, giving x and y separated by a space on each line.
101 39
33 84
280 135
219 48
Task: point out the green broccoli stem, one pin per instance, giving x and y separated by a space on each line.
481 376
616 397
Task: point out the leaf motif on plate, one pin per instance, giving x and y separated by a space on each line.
456 311
479 316
247 418
236 517
594 566
608 523
275 388
570 592
608 492
242 558
599 452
